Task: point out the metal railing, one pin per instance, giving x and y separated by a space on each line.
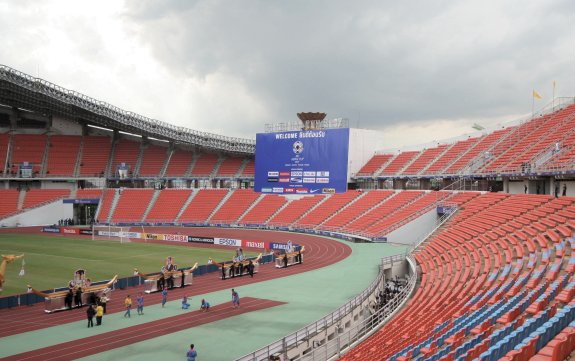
131 119
282 345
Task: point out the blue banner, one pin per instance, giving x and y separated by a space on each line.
302 162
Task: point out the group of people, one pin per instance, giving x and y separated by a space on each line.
237 269
392 288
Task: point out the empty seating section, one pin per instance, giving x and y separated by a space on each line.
62 155
424 159
36 197
405 214
229 167
522 138
477 148
249 169
202 205
180 162
263 210
105 205
565 158
28 148
126 151
89 193
95 155
329 207
377 213
4 142
485 292
168 205
9 202
153 160
563 123
132 205
204 165
400 161
356 209
294 210
374 164
235 206
457 150
542 138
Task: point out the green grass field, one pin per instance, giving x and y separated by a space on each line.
50 262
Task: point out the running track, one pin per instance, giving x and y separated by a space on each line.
126 336
320 252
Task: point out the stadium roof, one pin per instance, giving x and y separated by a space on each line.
21 90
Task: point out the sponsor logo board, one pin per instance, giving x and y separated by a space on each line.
175 237
51 229
228 242
254 244
200 239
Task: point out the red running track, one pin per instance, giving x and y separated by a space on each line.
110 340
320 252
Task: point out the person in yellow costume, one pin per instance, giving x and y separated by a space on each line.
5 260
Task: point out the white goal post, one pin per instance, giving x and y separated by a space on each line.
114 233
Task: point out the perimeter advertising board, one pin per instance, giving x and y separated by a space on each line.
302 162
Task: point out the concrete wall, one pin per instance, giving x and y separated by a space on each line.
44 215
362 146
415 230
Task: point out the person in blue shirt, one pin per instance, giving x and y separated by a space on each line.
192 354
185 304
140 304
164 296
205 306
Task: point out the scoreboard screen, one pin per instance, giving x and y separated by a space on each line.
302 162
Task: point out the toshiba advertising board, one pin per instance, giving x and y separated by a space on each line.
302 162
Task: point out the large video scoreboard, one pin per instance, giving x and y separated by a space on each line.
302 162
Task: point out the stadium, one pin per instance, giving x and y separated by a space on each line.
473 241
414 201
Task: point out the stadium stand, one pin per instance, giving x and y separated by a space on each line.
263 210
4 144
29 148
328 208
62 155
89 193
229 167
202 205
106 205
126 151
424 158
36 197
374 164
179 163
132 205
204 165
238 202
400 161
249 169
9 202
294 210
95 156
482 294
153 160
168 205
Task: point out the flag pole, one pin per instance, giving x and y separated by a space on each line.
553 95
533 104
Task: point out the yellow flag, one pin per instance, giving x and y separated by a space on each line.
536 95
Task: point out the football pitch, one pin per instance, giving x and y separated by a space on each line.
50 262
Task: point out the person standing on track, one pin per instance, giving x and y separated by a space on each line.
164 297
140 304
235 299
99 314
90 312
192 354
128 304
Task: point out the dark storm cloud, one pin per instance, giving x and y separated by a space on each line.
387 62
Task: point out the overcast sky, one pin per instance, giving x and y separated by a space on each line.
419 71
